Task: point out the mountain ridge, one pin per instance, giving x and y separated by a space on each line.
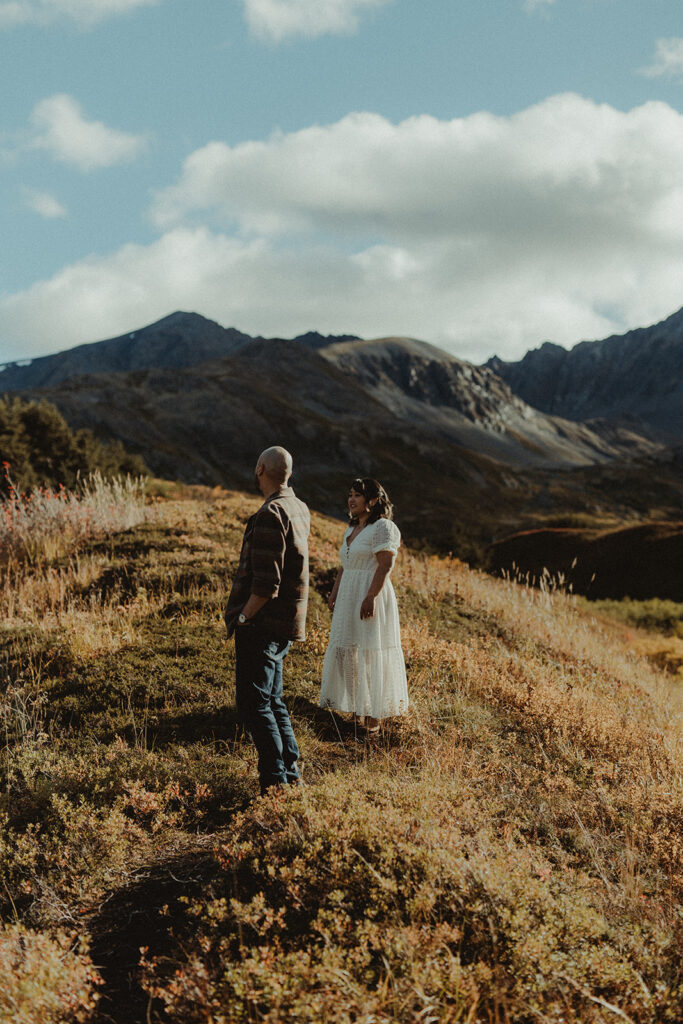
176 341
480 460
636 377
448 397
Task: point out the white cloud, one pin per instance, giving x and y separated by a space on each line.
275 20
484 234
563 174
61 128
83 12
44 203
667 61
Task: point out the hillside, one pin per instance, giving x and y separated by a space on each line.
473 407
636 377
644 561
205 424
511 850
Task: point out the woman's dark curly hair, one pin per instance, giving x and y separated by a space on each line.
371 489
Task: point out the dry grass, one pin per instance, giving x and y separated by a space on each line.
511 851
41 526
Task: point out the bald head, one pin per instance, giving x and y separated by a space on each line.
275 464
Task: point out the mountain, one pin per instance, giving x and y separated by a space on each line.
465 459
472 406
636 377
206 424
177 341
318 341
431 390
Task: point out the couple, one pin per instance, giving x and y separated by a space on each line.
363 670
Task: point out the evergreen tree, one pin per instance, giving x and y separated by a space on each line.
43 451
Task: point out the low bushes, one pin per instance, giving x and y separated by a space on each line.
509 852
45 452
373 900
43 979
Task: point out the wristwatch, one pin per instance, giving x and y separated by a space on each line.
242 619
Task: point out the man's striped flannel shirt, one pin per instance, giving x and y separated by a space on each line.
274 564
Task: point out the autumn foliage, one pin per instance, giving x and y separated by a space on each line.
510 850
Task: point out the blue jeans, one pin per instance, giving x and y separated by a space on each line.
258 678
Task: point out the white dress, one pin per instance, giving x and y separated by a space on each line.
363 668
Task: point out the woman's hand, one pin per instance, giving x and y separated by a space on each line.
332 599
367 609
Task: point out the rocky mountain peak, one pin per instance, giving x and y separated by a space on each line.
468 404
182 319
176 341
405 367
637 376
313 339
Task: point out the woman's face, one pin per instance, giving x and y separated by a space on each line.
357 504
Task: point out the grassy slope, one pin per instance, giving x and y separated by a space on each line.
512 851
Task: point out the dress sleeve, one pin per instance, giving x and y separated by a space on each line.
386 536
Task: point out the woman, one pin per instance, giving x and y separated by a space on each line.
363 670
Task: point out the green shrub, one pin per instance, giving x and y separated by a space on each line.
43 451
655 615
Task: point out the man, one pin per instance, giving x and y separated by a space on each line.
266 610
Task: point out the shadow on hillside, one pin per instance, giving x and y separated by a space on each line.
333 727
137 542
202 726
322 580
141 915
102 713
128 579
321 719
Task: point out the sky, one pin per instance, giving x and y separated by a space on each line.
484 175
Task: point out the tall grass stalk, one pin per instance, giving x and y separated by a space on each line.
573 639
45 525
